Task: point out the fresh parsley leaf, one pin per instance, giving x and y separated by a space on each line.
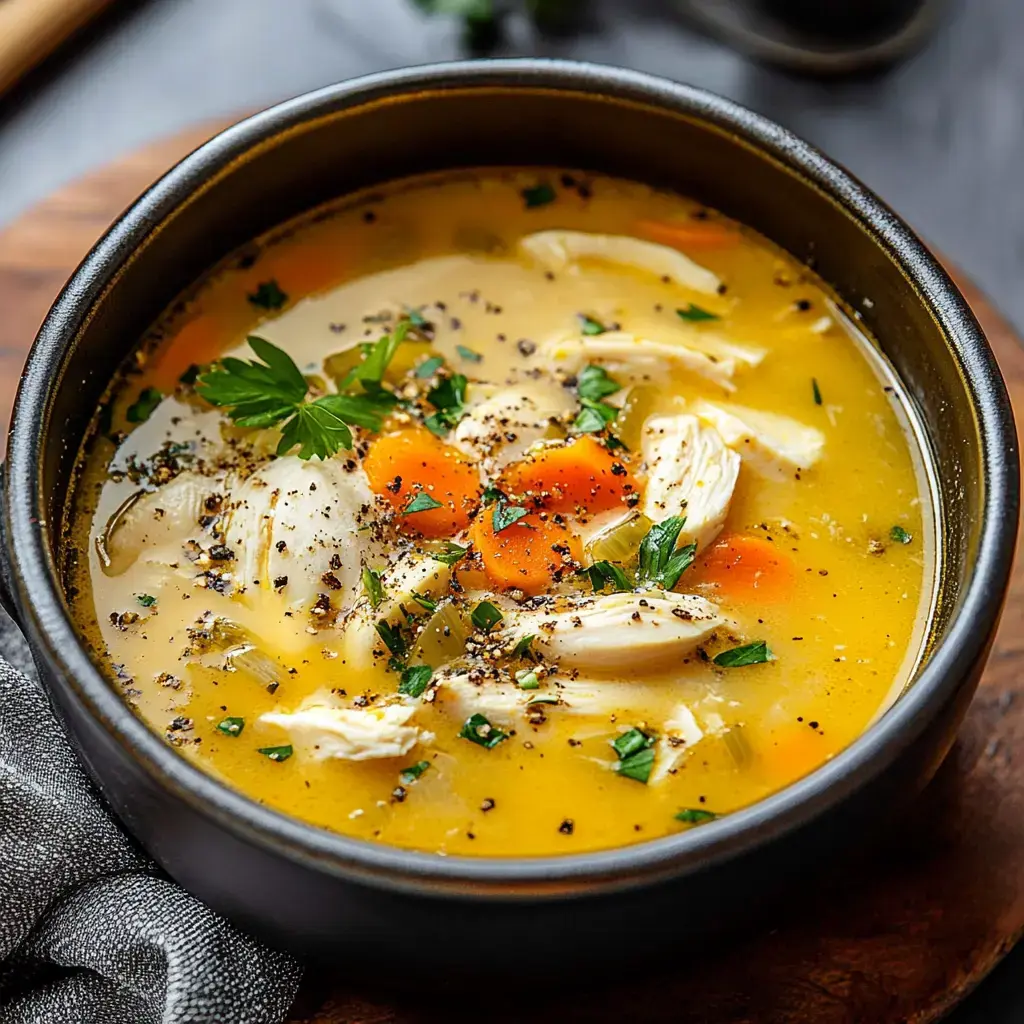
146 600
362 410
142 408
478 730
370 372
589 326
816 391
394 639
315 429
416 319
277 753
606 574
594 416
660 562
424 602
637 766
468 354
448 398
231 726
538 195
449 554
421 502
695 816
415 680
527 679
373 587
259 393
504 515
522 648
900 536
485 617
268 295
695 314
491 494
413 772
755 653
631 742
429 367
594 383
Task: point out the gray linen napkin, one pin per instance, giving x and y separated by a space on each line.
90 933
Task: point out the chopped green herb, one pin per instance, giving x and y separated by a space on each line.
631 742
231 726
421 502
143 406
594 416
695 314
394 639
372 586
637 766
589 326
416 318
415 680
606 574
593 382
491 494
485 617
276 753
146 600
504 515
522 648
613 443
449 554
756 653
429 367
527 679
448 398
816 391
424 602
468 354
900 536
695 816
413 772
268 295
661 563
478 730
542 698
538 195
370 372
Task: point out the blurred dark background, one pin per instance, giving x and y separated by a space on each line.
939 135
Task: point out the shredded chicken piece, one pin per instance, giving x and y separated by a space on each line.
351 734
774 445
621 633
680 733
640 359
561 250
691 473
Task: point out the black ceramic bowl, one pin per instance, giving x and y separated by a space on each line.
313 890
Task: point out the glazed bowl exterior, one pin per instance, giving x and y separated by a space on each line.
320 892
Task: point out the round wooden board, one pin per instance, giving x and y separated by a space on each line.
906 933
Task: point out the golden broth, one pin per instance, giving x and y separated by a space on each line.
842 604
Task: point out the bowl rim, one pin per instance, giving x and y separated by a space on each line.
47 622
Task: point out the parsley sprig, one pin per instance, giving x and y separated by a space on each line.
270 391
593 385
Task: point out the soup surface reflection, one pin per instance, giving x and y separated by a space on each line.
539 513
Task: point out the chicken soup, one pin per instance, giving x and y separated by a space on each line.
508 513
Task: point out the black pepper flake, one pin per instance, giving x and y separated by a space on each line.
281 546
802 305
330 580
280 582
272 687
567 826
221 553
335 562
369 217
398 794
487 805
526 347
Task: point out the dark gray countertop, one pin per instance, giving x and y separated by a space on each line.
941 137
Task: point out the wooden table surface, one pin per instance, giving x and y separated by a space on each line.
906 932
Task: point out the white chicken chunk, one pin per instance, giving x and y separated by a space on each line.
152 524
640 359
560 250
616 634
297 520
351 734
500 429
679 734
690 473
774 445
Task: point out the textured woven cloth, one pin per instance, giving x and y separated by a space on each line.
90 933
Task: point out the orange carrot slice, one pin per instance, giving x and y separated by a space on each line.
744 567
689 234
408 467
580 476
530 555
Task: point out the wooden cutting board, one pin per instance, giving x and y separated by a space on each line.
902 937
